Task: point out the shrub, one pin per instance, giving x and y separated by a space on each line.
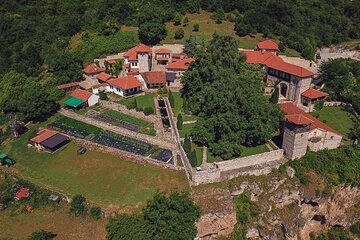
179 34
193 158
355 229
41 235
246 210
179 121
319 105
186 21
148 111
77 205
95 213
196 27
103 96
131 105
177 19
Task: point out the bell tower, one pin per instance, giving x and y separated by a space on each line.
296 130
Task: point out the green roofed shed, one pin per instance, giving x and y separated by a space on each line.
3 156
74 102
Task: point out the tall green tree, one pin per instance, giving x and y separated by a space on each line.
187 145
193 158
152 32
242 116
219 16
275 96
179 122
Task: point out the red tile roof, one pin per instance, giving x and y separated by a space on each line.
103 77
125 82
163 51
180 64
68 85
290 68
81 94
91 69
44 135
23 192
261 58
131 54
268 45
291 109
298 119
314 93
154 77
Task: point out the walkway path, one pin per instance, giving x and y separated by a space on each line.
119 130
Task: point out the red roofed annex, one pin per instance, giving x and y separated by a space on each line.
125 86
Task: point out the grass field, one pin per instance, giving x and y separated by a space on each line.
186 129
337 118
207 28
102 178
20 226
246 151
146 127
142 101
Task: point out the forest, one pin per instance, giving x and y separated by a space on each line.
50 41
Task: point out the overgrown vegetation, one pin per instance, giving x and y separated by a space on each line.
242 116
42 235
342 80
338 166
171 217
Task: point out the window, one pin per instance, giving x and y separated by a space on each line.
332 137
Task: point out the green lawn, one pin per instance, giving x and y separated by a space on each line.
246 151
186 129
146 127
337 118
178 108
99 177
207 28
142 101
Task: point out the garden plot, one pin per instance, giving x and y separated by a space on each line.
94 134
113 121
123 143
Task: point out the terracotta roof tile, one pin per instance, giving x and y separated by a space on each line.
81 94
261 58
103 77
154 77
180 64
125 83
163 51
91 69
44 135
291 109
23 192
68 85
290 68
268 45
314 93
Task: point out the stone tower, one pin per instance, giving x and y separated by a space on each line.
144 61
295 136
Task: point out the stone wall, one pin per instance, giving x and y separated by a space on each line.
258 164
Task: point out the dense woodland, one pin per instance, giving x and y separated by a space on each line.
227 95
39 35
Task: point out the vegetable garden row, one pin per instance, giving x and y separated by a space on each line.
94 134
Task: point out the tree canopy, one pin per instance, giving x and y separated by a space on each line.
171 217
227 95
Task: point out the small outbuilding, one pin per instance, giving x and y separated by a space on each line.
312 96
22 193
49 140
81 98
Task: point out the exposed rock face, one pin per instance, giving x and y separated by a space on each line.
329 212
214 225
285 212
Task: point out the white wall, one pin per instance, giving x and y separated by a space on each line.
94 99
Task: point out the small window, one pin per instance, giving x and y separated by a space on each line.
302 134
332 137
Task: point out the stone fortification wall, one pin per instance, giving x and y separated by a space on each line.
258 164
